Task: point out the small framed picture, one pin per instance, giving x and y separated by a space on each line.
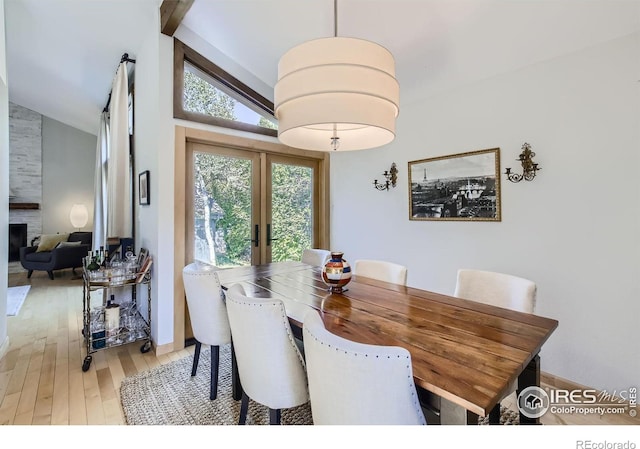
143 186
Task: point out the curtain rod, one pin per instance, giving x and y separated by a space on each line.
124 58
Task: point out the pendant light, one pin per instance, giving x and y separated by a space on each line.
336 93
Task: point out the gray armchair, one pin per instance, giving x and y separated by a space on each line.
58 258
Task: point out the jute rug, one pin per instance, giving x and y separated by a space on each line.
168 395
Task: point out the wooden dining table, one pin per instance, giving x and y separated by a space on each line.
464 353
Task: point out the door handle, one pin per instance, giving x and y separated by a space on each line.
269 239
256 233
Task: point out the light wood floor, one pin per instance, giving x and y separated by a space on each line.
41 377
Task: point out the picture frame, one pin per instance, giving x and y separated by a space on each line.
457 187
143 188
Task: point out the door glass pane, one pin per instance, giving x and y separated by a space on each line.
291 211
222 210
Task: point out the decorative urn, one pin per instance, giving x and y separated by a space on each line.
336 273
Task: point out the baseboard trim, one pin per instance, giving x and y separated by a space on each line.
164 349
559 382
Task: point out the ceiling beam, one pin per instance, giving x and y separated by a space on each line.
171 14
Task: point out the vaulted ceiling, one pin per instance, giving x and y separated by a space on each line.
62 54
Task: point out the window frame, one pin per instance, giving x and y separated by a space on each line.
182 53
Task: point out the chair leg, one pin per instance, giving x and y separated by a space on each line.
244 406
196 359
29 273
215 356
494 415
236 385
274 416
50 275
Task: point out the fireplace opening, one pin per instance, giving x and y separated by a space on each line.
17 239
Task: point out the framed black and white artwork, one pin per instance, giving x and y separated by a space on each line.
464 187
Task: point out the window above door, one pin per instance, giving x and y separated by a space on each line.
205 93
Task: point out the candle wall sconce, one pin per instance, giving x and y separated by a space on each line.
529 168
390 176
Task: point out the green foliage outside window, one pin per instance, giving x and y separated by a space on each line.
223 208
291 211
223 193
200 96
266 123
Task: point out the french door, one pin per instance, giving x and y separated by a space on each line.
249 207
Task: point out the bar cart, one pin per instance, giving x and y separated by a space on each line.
131 327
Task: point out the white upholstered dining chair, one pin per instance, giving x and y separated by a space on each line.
353 383
315 256
381 270
497 289
271 368
208 315
501 290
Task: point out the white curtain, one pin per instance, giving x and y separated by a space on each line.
100 184
119 210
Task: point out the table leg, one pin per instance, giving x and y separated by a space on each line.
528 378
494 415
236 387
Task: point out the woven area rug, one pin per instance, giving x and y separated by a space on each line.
168 395
507 417
15 299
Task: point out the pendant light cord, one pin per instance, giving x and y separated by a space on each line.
335 140
335 18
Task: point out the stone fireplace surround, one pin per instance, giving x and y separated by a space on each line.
25 171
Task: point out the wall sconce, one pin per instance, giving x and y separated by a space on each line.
529 168
390 176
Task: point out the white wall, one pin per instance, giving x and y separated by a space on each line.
4 185
3 49
574 229
149 150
